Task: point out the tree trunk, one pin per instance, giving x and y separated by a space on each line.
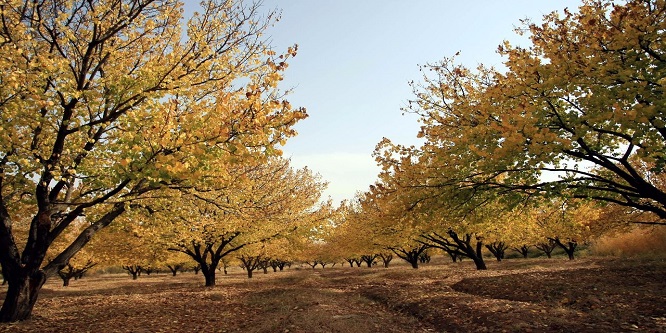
386 259
480 264
569 248
210 277
523 250
478 258
65 281
21 297
414 262
547 248
249 273
497 249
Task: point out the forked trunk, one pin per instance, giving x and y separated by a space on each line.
569 247
22 291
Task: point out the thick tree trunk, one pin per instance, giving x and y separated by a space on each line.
478 258
414 262
249 273
480 264
210 277
22 292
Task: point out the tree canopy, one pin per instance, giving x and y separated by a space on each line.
104 102
578 113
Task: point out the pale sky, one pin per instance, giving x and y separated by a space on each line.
354 62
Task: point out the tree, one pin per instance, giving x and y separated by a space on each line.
410 254
176 262
250 263
577 114
104 102
460 246
369 259
256 204
76 272
566 223
386 258
547 247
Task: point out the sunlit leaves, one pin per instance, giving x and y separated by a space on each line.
582 103
106 105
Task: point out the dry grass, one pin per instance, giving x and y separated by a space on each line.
640 242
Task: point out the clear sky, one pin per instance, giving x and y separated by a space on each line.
355 60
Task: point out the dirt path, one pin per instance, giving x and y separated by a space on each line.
307 302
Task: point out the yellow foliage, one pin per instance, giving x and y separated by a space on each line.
105 106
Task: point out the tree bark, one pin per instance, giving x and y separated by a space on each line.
21 295
210 277
65 281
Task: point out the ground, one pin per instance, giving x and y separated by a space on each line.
517 295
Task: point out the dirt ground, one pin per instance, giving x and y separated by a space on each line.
517 295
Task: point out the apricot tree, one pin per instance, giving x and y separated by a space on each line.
575 114
104 102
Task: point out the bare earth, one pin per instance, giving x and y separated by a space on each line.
517 295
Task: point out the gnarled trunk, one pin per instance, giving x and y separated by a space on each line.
410 255
498 249
457 246
22 291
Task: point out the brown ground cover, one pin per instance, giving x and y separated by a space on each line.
533 295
